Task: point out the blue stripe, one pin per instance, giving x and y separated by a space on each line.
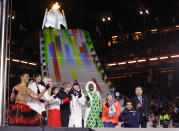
51 50
82 55
69 58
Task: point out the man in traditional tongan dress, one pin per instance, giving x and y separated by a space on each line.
21 114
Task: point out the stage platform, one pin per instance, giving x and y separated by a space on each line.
135 129
28 128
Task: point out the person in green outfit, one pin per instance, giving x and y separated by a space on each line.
93 102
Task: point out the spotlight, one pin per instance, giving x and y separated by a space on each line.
147 11
15 60
164 57
153 59
121 63
174 56
142 60
114 37
24 62
130 62
109 18
103 19
141 12
34 64
112 64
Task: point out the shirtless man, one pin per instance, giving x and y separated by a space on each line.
21 114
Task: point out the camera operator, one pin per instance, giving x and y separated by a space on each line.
175 117
164 119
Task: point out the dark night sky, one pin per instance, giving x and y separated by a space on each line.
85 13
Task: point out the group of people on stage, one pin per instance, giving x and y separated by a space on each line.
37 101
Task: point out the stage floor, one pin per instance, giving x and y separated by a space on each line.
46 128
18 128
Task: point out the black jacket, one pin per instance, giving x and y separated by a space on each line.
66 106
130 118
175 117
144 110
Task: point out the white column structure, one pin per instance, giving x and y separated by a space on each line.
3 58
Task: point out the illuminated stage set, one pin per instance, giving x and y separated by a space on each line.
68 54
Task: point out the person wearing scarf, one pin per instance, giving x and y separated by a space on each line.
111 111
76 104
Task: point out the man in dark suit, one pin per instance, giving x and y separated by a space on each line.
140 102
65 108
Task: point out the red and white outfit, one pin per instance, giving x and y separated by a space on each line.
54 113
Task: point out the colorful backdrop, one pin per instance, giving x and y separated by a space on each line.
68 55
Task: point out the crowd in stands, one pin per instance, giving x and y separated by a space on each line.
152 45
164 112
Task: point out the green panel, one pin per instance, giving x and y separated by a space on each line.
53 33
46 35
88 41
75 48
73 73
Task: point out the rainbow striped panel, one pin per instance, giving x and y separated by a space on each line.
68 57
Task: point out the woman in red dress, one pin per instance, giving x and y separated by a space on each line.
54 113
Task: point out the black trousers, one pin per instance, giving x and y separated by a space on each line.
143 122
65 118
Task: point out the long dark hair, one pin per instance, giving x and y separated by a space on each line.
53 88
35 75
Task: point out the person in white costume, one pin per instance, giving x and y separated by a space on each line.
93 102
37 105
76 104
47 81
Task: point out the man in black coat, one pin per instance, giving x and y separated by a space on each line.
65 108
140 101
